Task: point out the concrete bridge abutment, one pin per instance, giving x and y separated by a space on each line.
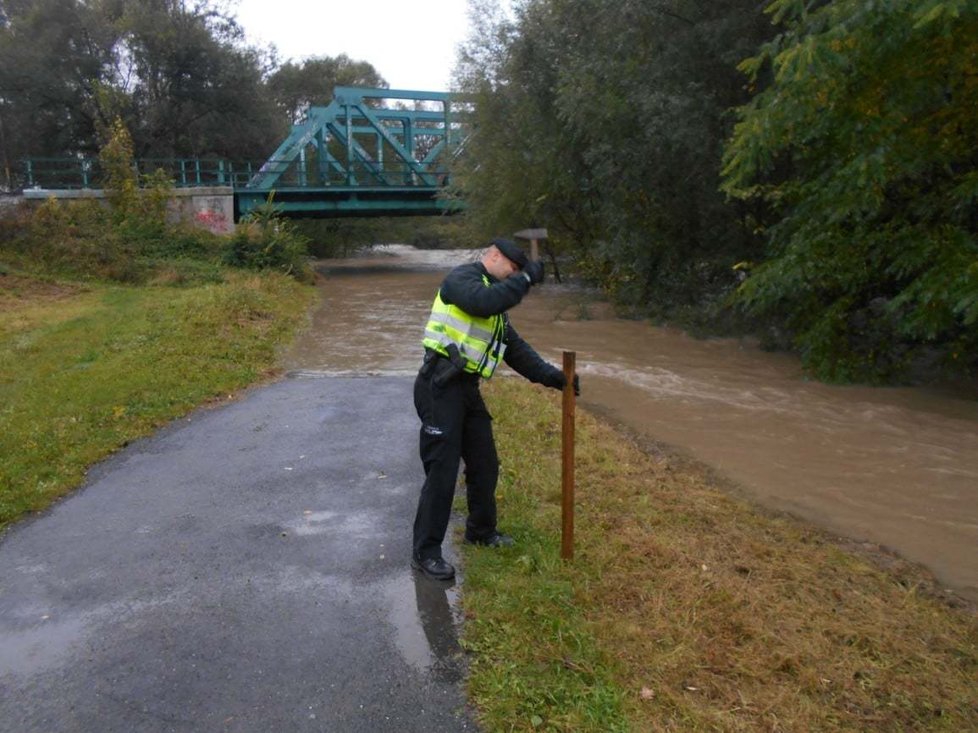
210 208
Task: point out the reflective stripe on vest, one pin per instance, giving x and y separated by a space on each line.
479 340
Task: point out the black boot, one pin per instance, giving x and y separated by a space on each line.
434 567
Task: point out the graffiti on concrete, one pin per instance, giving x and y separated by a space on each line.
211 219
212 214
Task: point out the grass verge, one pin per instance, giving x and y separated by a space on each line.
686 609
84 369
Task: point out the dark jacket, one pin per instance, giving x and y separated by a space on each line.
465 288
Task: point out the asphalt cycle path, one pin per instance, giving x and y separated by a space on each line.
245 569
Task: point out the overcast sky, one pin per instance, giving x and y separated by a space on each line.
411 44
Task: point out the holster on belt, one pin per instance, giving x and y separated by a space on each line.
428 365
443 369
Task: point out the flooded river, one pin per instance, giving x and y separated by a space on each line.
897 467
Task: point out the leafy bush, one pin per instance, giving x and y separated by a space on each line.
121 181
82 239
264 241
78 238
13 225
863 148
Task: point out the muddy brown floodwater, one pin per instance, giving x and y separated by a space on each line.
891 466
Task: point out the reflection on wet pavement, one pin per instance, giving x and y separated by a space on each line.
425 625
435 601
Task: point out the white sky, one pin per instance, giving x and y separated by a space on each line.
411 44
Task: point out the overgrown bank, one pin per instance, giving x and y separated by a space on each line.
86 368
688 610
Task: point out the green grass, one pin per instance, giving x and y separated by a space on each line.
686 609
84 369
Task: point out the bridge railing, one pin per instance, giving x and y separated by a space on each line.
68 173
82 173
79 173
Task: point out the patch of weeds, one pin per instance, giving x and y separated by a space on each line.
265 241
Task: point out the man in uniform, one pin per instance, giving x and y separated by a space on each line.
468 333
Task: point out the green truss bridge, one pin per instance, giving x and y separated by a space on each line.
371 152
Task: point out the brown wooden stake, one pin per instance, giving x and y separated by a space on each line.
567 465
534 250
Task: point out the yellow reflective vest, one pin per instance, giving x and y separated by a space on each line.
479 340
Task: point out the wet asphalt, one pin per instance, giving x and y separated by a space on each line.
245 569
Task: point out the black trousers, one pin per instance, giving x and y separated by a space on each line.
455 425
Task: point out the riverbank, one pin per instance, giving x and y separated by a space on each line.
689 609
87 367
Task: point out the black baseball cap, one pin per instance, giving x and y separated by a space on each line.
511 250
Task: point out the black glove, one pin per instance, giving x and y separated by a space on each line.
559 381
534 272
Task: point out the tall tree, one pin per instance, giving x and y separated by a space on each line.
178 73
55 60
197 90
296 87
520 167
606 119
864 147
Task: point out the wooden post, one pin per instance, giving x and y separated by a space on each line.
567 465
534 250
